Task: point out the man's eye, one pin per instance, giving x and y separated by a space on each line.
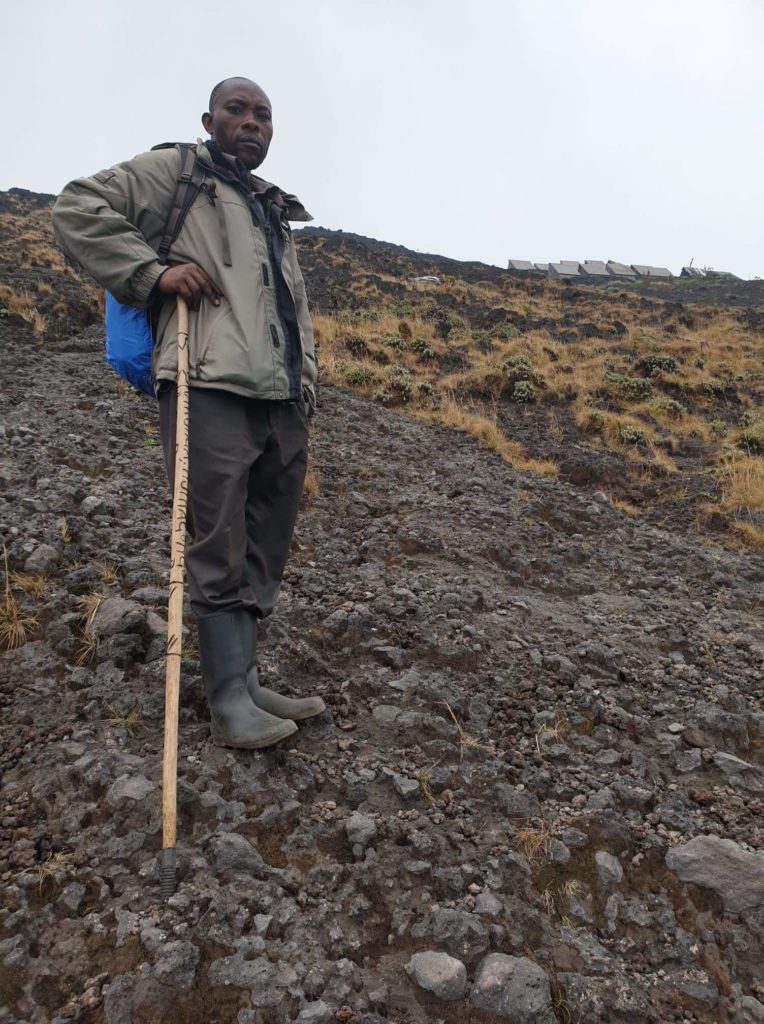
264 115
233 108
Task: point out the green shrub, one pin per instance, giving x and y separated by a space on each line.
422 349
633 389
653 364
718 427
673 409
356 345
356 315
751 441
518 369
360 376
523 391
392 341
397 388
595 421
459 328
629 434
518 362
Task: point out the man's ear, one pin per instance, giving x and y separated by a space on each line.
207 123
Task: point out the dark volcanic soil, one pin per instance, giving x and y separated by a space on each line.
542 754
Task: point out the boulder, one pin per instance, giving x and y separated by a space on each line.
43 559
360 830
234 852
116 616
129 787
439 973
723 866
461 934
514 988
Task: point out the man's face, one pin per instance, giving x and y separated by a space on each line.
241 122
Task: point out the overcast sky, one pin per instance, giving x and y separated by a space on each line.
488 129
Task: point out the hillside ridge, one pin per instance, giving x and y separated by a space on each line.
537 793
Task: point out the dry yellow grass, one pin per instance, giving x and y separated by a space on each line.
312 485
129 721
106 571
20 303
87 650
626 507
466 742
338 339
34 584
423 778
89 605
50 867
742 479
453 414
533 841
16 626
750 536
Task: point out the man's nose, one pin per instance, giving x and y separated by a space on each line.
250 122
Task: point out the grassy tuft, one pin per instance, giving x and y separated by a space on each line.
129 721
742 480
466 742
34 584
533 841
312 486
89 605
16 626
87 650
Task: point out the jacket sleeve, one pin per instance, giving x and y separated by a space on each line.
111 223
309 361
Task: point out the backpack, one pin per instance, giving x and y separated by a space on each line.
129 335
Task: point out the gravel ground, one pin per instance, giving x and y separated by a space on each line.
536 794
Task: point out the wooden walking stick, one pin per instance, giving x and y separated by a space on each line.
175 613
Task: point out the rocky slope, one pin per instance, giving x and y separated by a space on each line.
536 794
535 704
654 396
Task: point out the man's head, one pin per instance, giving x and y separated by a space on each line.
240 120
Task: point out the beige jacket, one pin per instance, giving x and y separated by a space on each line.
112 224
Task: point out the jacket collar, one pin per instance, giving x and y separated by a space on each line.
232 170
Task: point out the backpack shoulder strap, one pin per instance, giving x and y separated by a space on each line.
190 180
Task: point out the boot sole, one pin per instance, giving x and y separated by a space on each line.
258 744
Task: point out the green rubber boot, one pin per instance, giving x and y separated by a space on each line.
297 709
235 720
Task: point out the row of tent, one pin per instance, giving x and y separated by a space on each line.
590 268
600 269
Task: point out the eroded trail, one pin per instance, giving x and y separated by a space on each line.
532 698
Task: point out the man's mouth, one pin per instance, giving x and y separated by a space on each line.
250 140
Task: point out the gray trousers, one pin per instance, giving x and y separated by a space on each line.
247 462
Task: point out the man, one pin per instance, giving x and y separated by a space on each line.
252 373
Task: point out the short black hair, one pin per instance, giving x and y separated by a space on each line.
216 91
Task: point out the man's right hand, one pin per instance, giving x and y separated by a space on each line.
191 283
